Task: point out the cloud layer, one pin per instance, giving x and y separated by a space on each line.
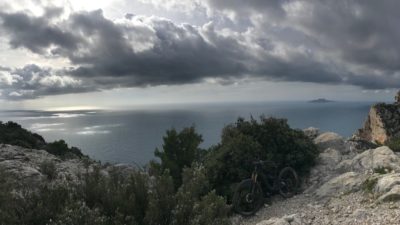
331 42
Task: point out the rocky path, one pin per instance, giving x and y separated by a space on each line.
349 185
355 208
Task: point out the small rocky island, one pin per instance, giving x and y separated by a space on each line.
320 100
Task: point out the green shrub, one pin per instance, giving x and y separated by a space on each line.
117 196
161 200
246 141
79 213
180 150
40 206
211 210
192 197
12 133
382 170
49 169
394 144
60 148
7 202
369 184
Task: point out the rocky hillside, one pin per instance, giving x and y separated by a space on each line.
32 166
349 185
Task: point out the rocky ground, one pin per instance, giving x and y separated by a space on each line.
352 183
31 166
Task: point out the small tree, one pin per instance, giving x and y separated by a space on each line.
180 150
245 141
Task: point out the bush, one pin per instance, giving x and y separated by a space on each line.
60 148
117 196
161 200
369 184
49 169
40 206
7 202
394 144
195 204
12 133
180 150
79 213
246 141
211 210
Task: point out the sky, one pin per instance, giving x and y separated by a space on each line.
129 53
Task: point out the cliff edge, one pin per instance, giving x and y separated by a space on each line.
382 123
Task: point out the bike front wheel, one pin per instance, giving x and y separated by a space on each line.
288 182
248 198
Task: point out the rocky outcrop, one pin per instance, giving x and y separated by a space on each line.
344 183
382 124
27 165
330 140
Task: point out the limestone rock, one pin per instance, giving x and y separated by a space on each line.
329 140
392 195
387 182
293 219
382 124
274 221
25 164
345 183
382 157
330 157
311 132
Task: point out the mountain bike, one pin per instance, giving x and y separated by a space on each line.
249 196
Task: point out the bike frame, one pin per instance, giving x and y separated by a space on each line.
269 183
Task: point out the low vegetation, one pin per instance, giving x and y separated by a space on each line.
369 184
394 144
12 133
186 186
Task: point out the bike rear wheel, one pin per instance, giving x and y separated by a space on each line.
288 182
248 198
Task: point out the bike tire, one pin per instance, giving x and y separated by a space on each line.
245 201
288 182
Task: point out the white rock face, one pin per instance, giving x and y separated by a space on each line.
382 157
330 140
345 183
311 132
330 158
392 195
387 182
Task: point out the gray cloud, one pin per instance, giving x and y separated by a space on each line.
33 81
340 42
36 33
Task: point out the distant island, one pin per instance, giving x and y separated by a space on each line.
320 100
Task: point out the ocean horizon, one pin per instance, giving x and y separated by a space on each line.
131 136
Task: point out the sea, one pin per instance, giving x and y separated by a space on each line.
131 136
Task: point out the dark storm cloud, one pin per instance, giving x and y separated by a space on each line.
359 32
35 33
330 42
